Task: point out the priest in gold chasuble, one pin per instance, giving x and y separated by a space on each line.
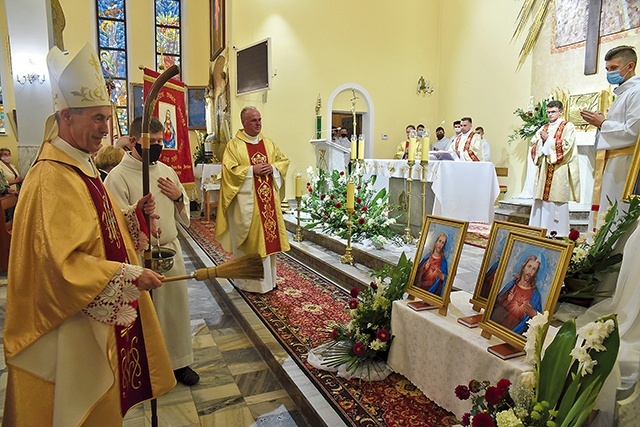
81 339
249 218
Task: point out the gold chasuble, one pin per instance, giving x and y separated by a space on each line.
262 230
64 367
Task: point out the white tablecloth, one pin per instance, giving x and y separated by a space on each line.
463 190
436 353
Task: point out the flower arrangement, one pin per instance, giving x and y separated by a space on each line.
560 389
532 119
364 341
593 257
199 154
325 206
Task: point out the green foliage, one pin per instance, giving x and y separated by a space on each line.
533 118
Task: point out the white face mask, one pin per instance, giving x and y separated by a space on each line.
6 159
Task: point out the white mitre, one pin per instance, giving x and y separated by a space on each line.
77 82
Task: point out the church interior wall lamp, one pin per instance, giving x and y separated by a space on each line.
30 75
424 86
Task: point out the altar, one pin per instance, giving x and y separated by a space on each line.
459 190
436 353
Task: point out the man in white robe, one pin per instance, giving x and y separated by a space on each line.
468 144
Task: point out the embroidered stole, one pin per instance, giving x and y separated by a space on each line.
467 146
551 168
135 382
264 188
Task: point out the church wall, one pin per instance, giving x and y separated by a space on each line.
478 77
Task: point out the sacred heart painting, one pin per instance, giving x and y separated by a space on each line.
436 261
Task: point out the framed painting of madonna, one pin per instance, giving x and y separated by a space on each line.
527 282
436 261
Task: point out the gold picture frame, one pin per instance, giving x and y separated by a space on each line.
632 184
525 259
495 248
438 235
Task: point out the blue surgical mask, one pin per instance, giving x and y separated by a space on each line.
420 133
615 78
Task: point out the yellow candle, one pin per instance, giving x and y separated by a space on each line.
425 149
350 196
361 148
412 148
353 147
298 186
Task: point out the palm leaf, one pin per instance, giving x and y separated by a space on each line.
534 32
555 364
523 17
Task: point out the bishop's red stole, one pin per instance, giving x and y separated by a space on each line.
263 185
551 168
135 382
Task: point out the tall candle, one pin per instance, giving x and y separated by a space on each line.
354 147
425 149
361 148
298 186
412 148
350 196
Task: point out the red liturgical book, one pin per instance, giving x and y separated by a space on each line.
421 305
505 351
471 321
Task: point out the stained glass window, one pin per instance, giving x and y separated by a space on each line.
168 40
112 46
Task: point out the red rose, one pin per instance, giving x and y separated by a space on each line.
353 303
358 187
359 200
341 173
503 386
360 221
338 205
358 348
322 196
334 334
364 209
574 234
466 419
383 335
530 114
310 189
308 184
482 420
462 392
493 395
474 386
354 292
331 196
373 285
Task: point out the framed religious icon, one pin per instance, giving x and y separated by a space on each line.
436 262
632 185
527 282
196 107
492 255
136 101
217 33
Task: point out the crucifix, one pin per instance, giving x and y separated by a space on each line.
593 35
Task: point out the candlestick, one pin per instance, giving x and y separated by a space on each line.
407 237
354 147
298 236
350 194
424 156
347 258
411 155
298 186
361 147
423 178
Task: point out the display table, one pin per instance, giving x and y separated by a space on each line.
436 353
210 187
463 190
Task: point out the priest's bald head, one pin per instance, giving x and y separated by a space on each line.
251 121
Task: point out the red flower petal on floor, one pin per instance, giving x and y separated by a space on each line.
493 395
574 234
462 392
354 292
482 420
353 303
383 335
358 348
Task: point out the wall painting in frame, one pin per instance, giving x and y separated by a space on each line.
196 107
217 33
436 262
136 101
527 282
495 247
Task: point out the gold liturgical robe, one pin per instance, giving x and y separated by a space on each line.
62 365
235 166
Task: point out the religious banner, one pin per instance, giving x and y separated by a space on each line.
170 110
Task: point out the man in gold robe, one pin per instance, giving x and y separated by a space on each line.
468 144
249 218
81 339
558 179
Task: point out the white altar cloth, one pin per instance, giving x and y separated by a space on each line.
463 190
436 353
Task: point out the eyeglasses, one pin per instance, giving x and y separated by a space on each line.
553 111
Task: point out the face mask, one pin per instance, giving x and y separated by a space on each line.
615 78
420 133
154 151
6 159
343 135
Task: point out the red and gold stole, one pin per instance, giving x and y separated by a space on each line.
263 185
135 382
551 168
467 145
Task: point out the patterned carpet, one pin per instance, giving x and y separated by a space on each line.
299 313
477 234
